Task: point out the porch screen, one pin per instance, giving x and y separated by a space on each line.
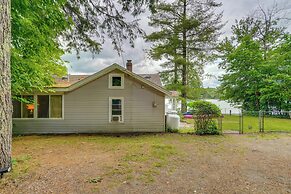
43 106
56 103
16 108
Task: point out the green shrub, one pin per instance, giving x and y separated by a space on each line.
203 113
211 129
173 130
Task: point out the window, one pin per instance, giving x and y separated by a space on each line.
56 106
47 106
116 109
28 107
116 81
43 106
16 108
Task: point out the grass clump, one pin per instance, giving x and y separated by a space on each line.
95 180
20 165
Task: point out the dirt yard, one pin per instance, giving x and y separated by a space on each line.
150 163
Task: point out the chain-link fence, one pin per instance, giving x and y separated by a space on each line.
257 121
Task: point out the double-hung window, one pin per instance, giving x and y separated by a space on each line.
116 109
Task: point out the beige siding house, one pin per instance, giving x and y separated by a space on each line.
114 100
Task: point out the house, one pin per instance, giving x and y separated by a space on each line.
113 100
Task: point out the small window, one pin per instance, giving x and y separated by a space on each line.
43 106
116 81
116 110
28 107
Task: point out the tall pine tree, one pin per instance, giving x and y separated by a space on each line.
188 32
5 85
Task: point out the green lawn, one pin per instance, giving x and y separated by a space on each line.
251 124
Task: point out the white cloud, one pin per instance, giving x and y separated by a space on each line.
142 64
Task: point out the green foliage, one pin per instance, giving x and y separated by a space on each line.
43 30
95 20
204 112
35 53
204 108
188 30
173 130
277 91
257 63
244 77
209 93
210 130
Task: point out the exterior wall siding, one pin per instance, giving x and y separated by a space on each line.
86 110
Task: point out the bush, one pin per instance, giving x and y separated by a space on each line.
204 112
173 130
210 130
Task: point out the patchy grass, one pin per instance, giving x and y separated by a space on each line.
21 165
142 161
97 163
187 130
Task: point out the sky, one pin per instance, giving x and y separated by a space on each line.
88 63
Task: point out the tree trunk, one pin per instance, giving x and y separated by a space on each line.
5 88
184 68
176 74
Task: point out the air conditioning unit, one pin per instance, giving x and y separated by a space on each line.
116 118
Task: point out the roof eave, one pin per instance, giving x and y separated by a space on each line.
104 72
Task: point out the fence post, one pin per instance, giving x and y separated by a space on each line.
261 121
220 123
241 128
259 117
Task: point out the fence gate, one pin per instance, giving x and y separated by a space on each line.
257 122
232 123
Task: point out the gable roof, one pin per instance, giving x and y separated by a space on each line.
155 78
73 82
63 82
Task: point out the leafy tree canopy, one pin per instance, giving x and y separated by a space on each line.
43 30
36 53
257 63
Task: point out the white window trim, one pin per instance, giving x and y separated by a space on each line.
35 109
110 81
122 108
